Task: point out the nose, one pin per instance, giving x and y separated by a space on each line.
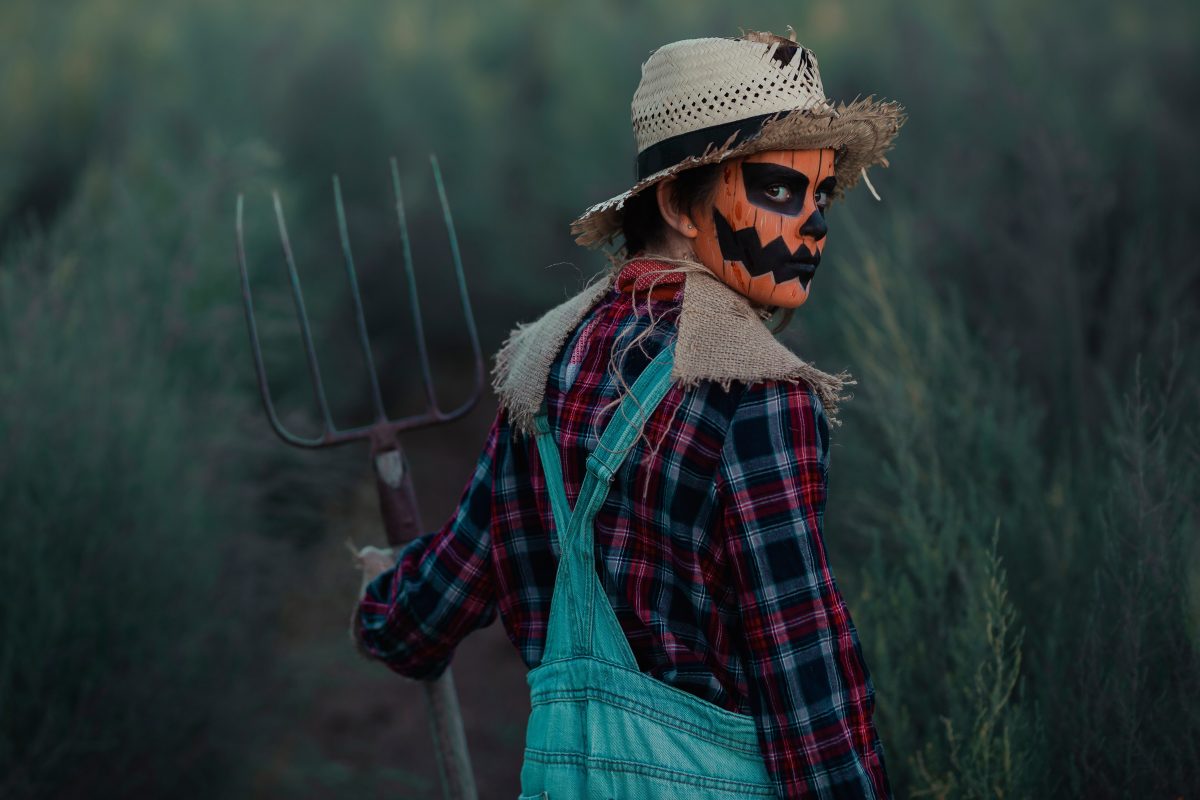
814 226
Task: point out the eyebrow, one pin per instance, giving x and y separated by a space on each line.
828 184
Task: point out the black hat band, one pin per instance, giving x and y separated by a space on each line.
670 152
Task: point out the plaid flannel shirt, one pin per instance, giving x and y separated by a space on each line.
709 547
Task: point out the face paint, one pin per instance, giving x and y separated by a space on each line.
766 229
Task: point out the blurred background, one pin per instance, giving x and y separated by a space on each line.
1013 509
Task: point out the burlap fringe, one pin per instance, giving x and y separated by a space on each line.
722 337
523 361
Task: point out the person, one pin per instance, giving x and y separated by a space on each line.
646 515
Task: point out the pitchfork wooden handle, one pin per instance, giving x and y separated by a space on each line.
402 521
397 500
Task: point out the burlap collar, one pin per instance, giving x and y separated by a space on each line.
722 337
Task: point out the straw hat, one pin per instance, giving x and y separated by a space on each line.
701 101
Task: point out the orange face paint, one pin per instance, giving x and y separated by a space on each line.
765 230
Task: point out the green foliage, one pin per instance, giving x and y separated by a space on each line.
112 551
994 756
1080 682
1135 667
1013 510
129 474
941 448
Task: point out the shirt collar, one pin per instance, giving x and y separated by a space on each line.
650 275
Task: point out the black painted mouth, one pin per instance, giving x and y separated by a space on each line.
775 257
804 270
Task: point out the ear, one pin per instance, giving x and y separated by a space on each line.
681 221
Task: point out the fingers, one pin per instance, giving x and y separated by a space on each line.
370 555
374 560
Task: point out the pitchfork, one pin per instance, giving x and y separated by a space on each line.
396 498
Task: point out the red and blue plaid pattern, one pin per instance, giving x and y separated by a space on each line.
709 546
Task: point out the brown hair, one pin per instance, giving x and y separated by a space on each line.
641 223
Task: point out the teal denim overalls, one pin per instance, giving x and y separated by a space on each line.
599 727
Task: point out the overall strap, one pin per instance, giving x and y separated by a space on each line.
552 467
582 621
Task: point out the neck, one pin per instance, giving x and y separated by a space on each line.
674 245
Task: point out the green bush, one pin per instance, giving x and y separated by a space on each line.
1080 680
940 451
112 542
133 484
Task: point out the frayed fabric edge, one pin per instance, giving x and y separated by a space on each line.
522 364
721 338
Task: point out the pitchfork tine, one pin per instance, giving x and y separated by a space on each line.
310 351
462 291
360 318
413 299
433 414
264 388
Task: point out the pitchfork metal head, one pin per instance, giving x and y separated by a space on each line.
383 429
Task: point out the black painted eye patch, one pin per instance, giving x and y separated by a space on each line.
759 176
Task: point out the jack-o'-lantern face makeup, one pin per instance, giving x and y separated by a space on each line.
766 229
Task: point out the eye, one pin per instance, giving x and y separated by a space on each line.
821 199
778 192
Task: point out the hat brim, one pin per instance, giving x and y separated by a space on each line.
860 133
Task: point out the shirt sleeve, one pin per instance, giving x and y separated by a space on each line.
441 588
810 692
